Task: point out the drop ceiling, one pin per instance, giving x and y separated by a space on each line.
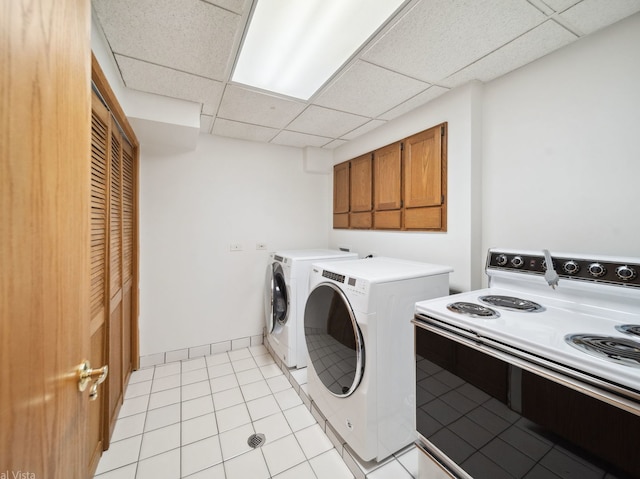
185 49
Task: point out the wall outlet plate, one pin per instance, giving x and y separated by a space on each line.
235 247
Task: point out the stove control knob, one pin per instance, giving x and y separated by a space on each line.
571 267
501 260
626 273
517 261
597 270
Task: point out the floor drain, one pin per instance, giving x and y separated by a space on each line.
256 440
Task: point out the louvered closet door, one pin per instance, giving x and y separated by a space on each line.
128 253
116 383
114 254
100 147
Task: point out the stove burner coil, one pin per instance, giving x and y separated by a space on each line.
512 303
474 310
629 329
620 350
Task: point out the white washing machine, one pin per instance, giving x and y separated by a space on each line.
359 337
286 290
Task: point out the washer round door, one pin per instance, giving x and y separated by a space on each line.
334 340
276 300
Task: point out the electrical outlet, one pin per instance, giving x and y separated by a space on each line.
261 245
235 247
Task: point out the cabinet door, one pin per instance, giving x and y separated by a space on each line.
361 181
387 164
361 188
423 169
341 195
387 187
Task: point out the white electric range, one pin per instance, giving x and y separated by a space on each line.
549 352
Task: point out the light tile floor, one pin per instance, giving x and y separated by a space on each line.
192 419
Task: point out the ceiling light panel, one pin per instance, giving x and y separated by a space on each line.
293 47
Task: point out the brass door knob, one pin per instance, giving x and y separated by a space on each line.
86 375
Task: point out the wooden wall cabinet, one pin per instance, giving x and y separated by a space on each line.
424 181
401 186
352 193
341 195
387 187
360 187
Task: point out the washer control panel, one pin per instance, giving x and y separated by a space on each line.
601 270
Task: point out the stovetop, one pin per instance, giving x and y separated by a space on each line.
581 306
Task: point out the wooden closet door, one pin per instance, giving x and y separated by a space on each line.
115 341
128 255
114 250
100 147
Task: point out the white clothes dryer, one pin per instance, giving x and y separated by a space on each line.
359 337
286 290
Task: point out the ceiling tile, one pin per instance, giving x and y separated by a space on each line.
334 144
529 47
151 78
237 6
326 122
292 138
542 6
368 90
206 122
244 131
241 104
367 127
413 103
187 35
440 37
592 15
561 5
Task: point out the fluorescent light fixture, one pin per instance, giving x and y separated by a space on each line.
293 47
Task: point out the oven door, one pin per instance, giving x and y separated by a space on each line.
334 340
484 415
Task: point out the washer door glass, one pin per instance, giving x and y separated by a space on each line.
280 299
334 340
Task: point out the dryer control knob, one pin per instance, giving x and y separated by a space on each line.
626 273
517 261
597 270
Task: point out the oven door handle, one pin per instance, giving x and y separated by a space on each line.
448 468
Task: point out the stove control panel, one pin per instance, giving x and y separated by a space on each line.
599 270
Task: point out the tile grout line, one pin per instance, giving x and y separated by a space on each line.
252 422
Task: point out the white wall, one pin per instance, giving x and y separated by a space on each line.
160 122
193 205
545 157
460 245
562 149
